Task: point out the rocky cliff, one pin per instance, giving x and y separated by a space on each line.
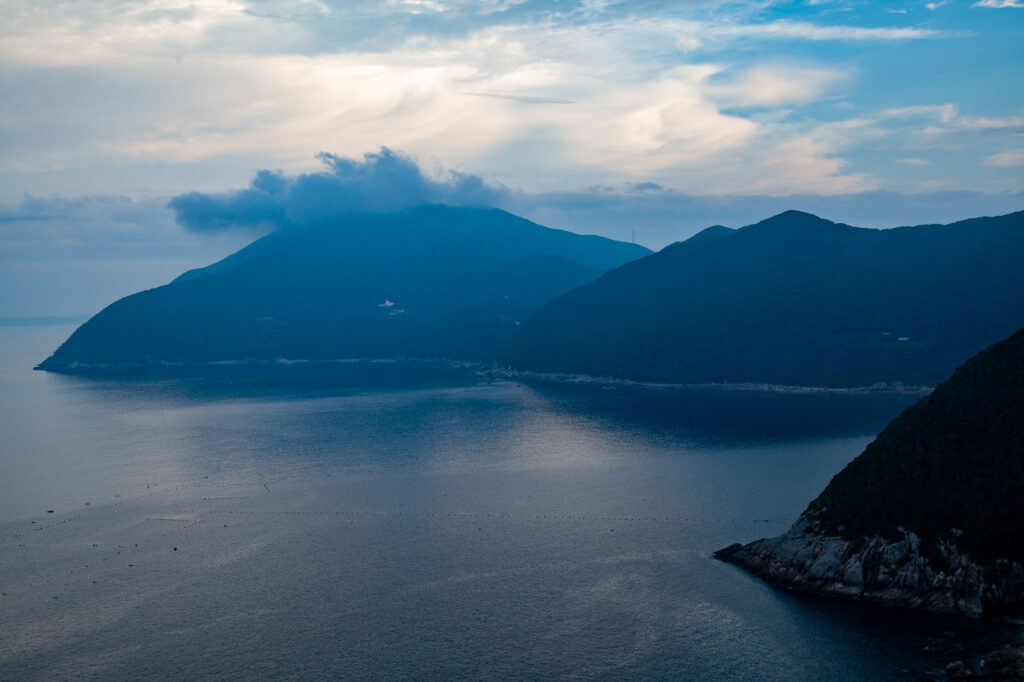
931 514
892 572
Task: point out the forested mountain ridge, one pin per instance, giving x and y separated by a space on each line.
432 281
954 460
794 299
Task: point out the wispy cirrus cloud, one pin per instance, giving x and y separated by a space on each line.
944 112
1007 159
803 30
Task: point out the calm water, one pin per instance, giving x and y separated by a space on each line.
366 525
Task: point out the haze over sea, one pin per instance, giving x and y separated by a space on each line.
377 523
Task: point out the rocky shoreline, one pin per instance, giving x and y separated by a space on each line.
1005 663
890 572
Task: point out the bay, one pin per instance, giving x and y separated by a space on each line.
375 521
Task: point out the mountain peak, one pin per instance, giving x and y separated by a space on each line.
713 232
791 219
463 278
794 300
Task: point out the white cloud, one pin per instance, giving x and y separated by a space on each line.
998 4
98 32
554 99
1007 159
941 127
773 85
937 4
801 30
944 112
650 127
800 164
560 107
989 123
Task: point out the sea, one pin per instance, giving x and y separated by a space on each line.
384 521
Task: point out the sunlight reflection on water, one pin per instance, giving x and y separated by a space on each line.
218 527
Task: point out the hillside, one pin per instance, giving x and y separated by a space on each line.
931 514
953 460
794 299
432 281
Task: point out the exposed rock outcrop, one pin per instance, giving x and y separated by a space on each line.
931 514
891 572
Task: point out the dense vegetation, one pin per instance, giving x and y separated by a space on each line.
794 300
954 460
433 281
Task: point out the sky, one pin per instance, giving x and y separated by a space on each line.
122 121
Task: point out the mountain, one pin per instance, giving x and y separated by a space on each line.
795 300
931 514
432 281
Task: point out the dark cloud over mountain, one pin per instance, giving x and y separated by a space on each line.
389 180
381 182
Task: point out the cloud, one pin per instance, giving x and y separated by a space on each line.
1015 124
527 99
627 121
772 85
537 94
388 180
37 208
644 187
944 112
381 182
92 227
1007 159
943 127
784 29
937 4
374 26
73 255
998 4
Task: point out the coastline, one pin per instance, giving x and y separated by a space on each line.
892 572
480 369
